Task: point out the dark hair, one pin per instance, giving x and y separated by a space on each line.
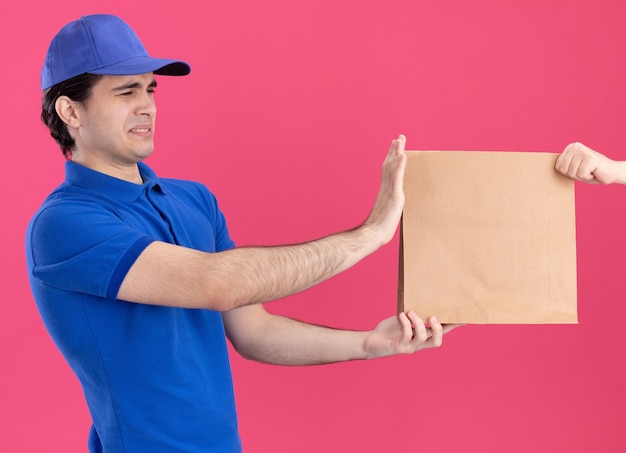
77 89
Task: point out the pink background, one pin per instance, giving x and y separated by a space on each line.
286 116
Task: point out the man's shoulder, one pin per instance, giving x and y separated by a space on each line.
67 197
66 206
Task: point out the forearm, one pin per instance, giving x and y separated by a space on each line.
283 341
259 274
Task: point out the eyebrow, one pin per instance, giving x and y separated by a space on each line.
134 85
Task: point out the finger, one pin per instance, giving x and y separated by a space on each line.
577 162
436 331
401 143
393 171
420 332
400 160
585 170
397 145
569 160
563 161
407 329
574 169
587 166
395 157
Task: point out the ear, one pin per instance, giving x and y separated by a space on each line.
68 111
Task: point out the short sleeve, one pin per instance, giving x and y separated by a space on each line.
82 247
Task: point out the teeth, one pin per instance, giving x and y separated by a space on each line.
141 130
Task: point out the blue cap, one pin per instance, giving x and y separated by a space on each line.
101 44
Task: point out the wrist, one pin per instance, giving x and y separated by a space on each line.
366 352
370 237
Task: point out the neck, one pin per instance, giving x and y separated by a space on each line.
125 171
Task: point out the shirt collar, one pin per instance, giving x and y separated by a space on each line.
86 178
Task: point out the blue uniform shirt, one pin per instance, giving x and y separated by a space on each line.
156 379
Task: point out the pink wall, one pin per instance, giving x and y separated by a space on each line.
286 116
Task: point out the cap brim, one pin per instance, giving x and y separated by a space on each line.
142 65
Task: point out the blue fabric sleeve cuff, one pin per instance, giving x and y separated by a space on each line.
125 264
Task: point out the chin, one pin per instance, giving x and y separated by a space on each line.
142 154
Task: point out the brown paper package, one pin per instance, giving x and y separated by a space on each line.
488 237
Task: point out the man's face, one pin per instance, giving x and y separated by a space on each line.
117 121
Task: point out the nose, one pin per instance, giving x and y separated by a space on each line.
147 106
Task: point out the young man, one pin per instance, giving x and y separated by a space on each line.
137 279
582 163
